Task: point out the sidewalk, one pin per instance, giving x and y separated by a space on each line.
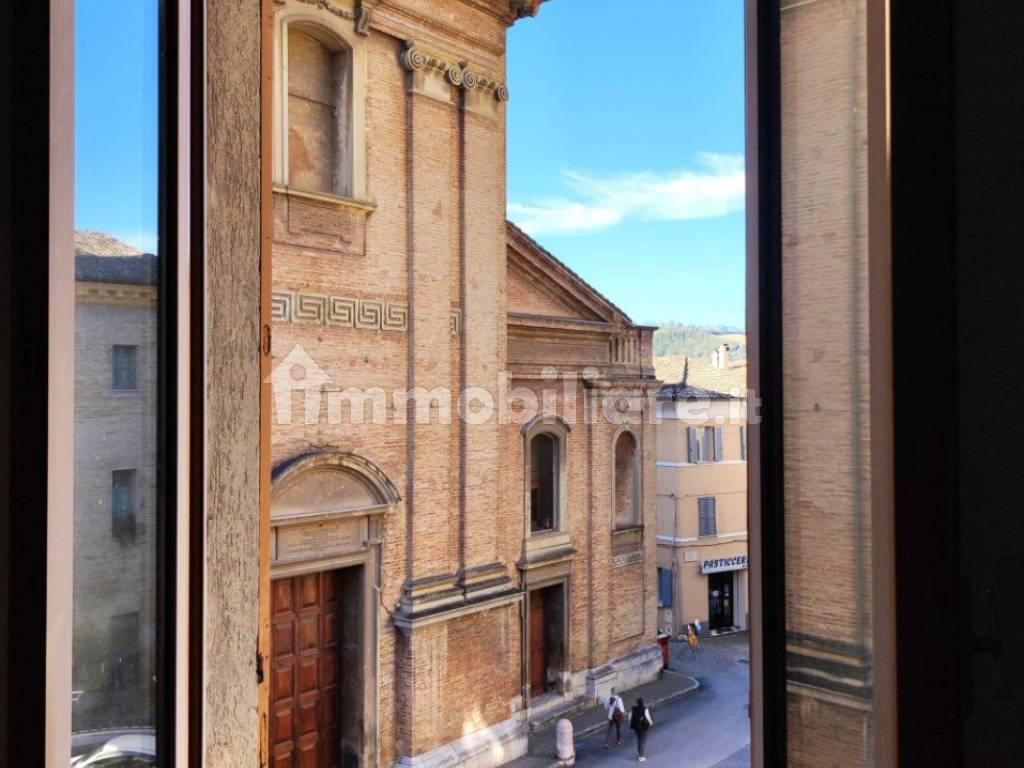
669 687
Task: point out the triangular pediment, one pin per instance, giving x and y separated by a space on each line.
539 284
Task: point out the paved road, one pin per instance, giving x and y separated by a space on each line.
703 729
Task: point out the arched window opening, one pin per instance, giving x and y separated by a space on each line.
627 485
543 482
319 111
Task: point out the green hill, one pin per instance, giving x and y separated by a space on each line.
697 341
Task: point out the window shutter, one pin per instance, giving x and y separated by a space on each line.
707 524
664 587
692 448
718 444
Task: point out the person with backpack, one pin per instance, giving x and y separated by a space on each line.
616 714
640 722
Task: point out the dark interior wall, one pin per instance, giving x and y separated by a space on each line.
554 631
6 14
989 195
924 374
958 242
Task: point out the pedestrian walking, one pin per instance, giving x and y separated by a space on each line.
616 710
641 722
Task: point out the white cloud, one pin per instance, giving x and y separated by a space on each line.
715 187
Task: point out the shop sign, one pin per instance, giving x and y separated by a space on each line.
718 564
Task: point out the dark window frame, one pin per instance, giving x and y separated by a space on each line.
25 27
769 703
28 224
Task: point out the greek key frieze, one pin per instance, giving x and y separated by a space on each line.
338 311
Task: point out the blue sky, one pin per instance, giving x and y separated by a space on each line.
116 119
625 150
625 144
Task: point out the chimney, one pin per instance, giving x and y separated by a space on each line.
720 359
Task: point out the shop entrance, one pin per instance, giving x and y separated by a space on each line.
316 697
546 632
720 600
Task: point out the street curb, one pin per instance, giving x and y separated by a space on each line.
688 688
692 686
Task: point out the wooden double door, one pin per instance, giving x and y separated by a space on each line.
306 671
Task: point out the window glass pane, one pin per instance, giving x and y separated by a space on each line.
124 366
826 382
114 672
542 483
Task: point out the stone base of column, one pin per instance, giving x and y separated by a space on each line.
487 748
623 673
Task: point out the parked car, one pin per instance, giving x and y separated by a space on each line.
132 750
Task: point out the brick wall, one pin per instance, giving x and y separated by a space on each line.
825 356
430 256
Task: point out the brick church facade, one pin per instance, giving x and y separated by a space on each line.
463 444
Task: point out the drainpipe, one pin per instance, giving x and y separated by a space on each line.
675 546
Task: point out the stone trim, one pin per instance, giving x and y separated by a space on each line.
344 22
434 74
142 296
338 311
339 201
839 668
292 470
449 611
625 672
489 747
541 574
311 308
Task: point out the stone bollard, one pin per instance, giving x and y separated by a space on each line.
564 742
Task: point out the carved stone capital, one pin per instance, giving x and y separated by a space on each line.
483 92
433 74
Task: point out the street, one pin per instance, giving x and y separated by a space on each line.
708 728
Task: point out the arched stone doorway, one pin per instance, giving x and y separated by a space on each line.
327 510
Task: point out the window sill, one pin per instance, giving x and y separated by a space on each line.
628 528
337 201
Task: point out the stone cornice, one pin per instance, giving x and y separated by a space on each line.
519 9
402 22
116 294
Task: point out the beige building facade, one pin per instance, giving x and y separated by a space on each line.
703 557
115 486
463 450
